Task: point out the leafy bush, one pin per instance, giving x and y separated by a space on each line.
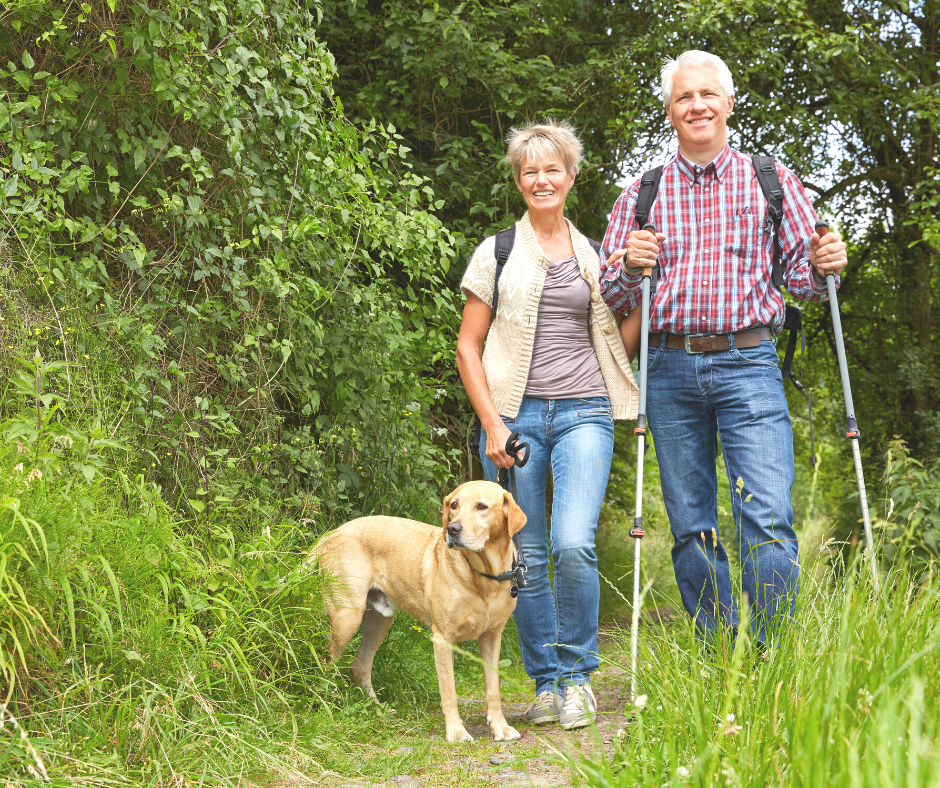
181 178
911 525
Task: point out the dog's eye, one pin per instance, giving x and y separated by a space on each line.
454 504
482 506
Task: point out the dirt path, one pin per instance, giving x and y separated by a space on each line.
534 760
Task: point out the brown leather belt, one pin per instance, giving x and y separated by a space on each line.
698 343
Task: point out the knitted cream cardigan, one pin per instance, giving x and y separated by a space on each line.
508 350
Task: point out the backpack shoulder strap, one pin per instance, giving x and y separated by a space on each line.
649 188
595 245
505 239
766 170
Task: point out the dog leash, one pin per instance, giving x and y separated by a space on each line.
506 478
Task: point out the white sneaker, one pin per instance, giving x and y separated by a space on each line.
545 708
579 707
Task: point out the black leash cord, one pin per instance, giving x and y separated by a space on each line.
506 478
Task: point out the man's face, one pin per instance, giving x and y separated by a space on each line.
699 110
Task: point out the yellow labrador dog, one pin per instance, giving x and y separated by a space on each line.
436 575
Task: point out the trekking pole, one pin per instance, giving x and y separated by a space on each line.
640 431
851 432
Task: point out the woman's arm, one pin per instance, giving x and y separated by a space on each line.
473 328
630 331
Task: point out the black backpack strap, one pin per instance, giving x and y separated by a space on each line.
766 170
793 322
505 239
595 245
649 189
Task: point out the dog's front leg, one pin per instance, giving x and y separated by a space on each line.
444 660
489 654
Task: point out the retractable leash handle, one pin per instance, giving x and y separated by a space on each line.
640 431
852 431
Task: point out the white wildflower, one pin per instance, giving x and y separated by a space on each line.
730 718
682 772
18 468
621 733
35 473
441 431
639 702
440 393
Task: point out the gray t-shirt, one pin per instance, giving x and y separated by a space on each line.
564 364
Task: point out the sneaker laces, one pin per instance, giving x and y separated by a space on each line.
543 700
575 697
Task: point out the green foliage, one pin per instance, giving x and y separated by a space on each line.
911 525
845 697
453 77
187 180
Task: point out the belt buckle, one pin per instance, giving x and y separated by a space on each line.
688 347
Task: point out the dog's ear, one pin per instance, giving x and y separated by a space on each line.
515 517
446 517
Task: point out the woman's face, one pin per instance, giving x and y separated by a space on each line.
544 184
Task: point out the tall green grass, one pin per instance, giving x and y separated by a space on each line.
848 695
138 647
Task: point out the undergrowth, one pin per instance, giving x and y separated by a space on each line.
846 696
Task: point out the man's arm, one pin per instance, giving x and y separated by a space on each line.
621 290
806 258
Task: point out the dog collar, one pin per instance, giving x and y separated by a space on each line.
516 574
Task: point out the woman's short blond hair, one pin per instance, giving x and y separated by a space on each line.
541 141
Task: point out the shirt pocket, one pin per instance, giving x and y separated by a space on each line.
746 237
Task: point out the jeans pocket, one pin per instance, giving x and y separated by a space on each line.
654 359
764 355
594 408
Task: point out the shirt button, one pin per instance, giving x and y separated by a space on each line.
706 188
704 318
705 282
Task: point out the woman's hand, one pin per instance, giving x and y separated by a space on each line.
496 437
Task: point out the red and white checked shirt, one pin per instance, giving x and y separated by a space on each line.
716 261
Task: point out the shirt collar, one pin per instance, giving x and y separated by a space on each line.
693 172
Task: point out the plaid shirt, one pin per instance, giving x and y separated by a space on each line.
715 264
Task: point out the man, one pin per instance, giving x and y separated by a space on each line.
712 364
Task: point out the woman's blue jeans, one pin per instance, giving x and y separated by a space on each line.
573 439
737 395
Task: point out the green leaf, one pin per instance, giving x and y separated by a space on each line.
28 59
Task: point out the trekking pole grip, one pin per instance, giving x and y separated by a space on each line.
650 228
821 229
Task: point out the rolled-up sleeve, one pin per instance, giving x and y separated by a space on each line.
621 292
799 220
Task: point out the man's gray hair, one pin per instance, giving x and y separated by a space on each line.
540 141
695 57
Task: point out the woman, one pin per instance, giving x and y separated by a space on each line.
554 368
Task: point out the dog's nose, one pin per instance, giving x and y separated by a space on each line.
454 528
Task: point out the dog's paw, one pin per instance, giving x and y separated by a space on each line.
506 733
458 735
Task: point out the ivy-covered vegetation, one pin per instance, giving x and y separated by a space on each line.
230 238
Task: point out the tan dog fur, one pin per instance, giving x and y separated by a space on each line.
432 574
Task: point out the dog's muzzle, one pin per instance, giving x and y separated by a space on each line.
454 530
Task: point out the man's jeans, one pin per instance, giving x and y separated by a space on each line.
738 395
573 439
